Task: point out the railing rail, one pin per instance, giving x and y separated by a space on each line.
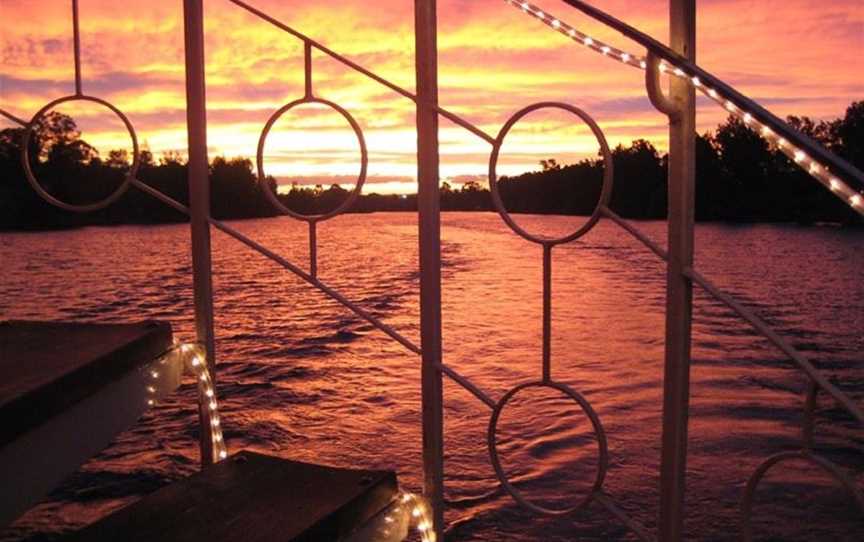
822 165
839 176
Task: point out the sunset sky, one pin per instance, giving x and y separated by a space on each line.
798 57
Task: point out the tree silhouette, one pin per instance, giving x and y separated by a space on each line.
738 178
849 135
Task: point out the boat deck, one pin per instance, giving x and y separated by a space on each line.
253 497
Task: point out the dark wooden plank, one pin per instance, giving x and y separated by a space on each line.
252 498
46 367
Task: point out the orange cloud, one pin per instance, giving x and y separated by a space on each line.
796 57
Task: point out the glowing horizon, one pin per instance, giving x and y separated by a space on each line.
492 61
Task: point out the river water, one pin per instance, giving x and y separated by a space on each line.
301 377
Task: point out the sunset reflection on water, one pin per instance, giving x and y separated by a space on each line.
300 377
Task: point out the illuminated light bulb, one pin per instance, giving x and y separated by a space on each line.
556 23
662 68
781 143
223 454
572 33
217 437
388 519
800 156
540 15
588 41
151 389
856 200
154 374
712 93
150 402
643 64
729 106
196 361
605 49
406 497
814 168
214 422
213 405
679 72
696 82
767 132
209 392
423 526
625 57
416 512
834 184
525 6
748 118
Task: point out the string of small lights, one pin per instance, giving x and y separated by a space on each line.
419 511
408 510
817 170
194 359
197 365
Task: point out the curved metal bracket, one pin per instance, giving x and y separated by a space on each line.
655 93
829 467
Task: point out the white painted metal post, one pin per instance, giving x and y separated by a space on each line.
199 201
426 66
679 288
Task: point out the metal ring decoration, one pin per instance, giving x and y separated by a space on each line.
602 447
605 192
364 159
759 473
31 178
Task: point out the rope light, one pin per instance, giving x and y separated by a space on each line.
193 355
817 170
197 365
194 359
418 509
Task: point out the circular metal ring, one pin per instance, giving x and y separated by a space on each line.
31 178
804 455
605 192
602 448
363 159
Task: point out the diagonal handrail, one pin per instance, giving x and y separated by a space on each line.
751 317
456 119
821 164
267 253
314 281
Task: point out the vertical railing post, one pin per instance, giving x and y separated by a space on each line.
199 201
679 290
426 66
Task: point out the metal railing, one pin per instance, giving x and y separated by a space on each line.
681 274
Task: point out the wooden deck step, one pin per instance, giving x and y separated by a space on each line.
66 390
47 367
251 497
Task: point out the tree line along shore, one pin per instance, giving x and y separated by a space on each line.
739 178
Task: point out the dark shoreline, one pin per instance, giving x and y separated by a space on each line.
726 222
